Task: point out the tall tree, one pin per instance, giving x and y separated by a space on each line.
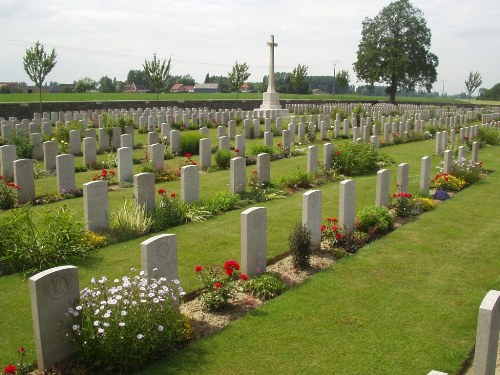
106 84
237 76
298 77
85 84
342 79
139 77
37 64
395 50
158 72
473 83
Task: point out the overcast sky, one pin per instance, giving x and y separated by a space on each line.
97 37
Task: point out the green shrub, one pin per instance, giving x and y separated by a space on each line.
169 213
353 159
300 179
223 158
132 330
257 149
30 248
190 142
221 201
299 245
266 286
8 194
489 135
351 243
24 148
130 221
375 220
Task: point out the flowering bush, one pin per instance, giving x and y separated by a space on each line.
105 175
424 204
375 220
402 204
466 170
444 181
8 194
220 283
331 232
120 325
169 213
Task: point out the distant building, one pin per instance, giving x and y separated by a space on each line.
206 87
179 87
132 87
245 87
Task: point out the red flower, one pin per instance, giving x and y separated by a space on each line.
162 191
112 173
229 271
17 187
335 220
1 177
193 163
338 236
329 219
335 228
323 228
10 369
94 179
172 195
104 172
337 153
188 155
21 349
198 269
236 150
217 285
243 277
231 264
394 195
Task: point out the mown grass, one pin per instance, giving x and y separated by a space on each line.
404 304
151 97
212 241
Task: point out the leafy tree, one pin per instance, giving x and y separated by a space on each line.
490 94
298 77
106 84
473 83
85 84
237 76
37 64
158 73
139 77
207 78
394 50
342 79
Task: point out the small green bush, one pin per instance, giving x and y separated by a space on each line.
221 201
24 148
257 149
352 159
168 214
223 158
300 179
190 142
375 220
266 286
130 221
27 248
489 135
299 245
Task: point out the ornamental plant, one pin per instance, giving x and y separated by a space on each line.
299 245
467 170
447 182
21 368
120 325
8 194
219 284
331 232
402 204
169 213
375 220
266 286
105 175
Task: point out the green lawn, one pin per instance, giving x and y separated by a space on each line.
79 97
221 241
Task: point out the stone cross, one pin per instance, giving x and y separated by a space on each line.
271 85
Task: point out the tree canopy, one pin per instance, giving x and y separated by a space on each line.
473 82
37 64
298 77
85 84
342 79
237 76
395 50
158 73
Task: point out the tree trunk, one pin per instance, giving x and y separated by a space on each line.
40 96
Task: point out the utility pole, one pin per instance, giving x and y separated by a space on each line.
334 62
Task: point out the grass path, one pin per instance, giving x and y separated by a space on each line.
405 304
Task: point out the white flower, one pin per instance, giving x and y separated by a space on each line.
96 323
142 273
160 328
139 336
123 313
100 330
116 280
106 315
79 308
155 269
121 324
92 280
97 311
105 324
76 327
156 300
132 269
